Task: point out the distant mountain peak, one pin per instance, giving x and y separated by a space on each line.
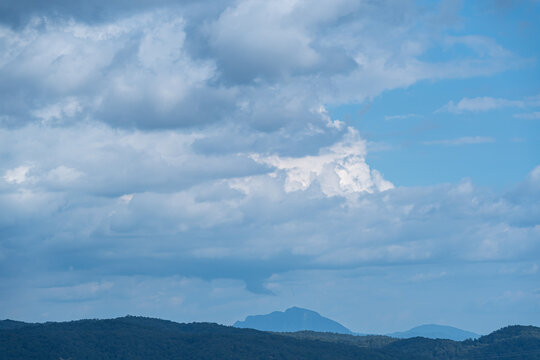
291 320
296 309
434 331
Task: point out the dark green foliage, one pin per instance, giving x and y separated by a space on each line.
11 324
515 342
369 341
143 338
512 342
440 349
510 332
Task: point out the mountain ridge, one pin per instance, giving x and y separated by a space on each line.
299 319
136 338
291 320
435 331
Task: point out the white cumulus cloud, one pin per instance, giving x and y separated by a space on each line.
17 175
339 169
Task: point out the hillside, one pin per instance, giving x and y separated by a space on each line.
367 341
144 338
512 342
10 324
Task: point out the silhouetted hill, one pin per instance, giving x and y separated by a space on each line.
433 331
513 342
292 319
11 324
145 338
516 342
511 332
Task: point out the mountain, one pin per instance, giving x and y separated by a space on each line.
290 320
433 331
145 338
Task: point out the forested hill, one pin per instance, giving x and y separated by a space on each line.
144 338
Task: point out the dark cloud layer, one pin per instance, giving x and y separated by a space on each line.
19 12
266 65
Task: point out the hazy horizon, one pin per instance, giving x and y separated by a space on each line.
377 162
240 323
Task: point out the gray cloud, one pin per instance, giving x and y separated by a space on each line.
262 239
128 201
268 65
18 13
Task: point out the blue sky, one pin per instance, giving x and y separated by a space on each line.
377 162
401 122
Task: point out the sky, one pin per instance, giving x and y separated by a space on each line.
375 161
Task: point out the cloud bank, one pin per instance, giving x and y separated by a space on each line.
184 151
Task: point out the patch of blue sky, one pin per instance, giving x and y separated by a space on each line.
408 123
426 144
512 23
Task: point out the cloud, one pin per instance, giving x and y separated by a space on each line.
228 228
531 185
480 104
126 198
159 156
55 113
428 276
483 45
63 174
466 140
401 117
17 175
96 159
485 103
318 211
79 292
217 247
274 46
268 66
18 13
339 170
530 116
132 72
